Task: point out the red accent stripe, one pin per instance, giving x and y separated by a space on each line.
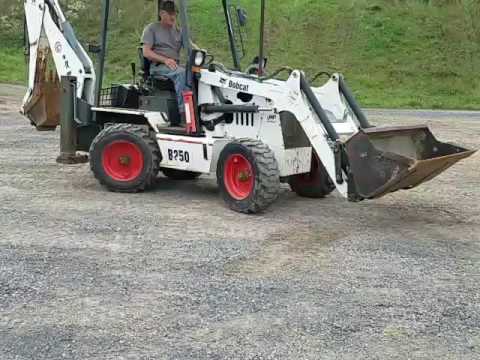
191 127
182 141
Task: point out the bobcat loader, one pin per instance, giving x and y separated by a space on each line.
253 131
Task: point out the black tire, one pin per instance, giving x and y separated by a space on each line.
316 184
265 180
179 174
138 138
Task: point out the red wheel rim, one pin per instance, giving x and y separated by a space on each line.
238 177
122 160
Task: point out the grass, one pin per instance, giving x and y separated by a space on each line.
12 66
408 54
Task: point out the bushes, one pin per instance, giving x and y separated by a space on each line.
401 53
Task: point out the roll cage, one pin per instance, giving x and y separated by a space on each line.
183 12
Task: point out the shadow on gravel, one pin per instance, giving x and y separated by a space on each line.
409 214
201 187
284 254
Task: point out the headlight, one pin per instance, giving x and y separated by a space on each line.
199 58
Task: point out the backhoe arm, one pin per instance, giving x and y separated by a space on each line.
51 35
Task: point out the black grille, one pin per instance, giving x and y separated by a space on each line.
119 96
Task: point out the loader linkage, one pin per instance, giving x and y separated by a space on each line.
377 161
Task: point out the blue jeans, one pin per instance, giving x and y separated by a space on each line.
178 76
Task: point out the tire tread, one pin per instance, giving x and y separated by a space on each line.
140 132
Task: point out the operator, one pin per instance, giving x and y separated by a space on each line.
162 42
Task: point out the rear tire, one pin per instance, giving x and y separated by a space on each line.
248 176
316 184
124 158
179 174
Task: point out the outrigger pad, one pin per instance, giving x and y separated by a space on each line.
384 160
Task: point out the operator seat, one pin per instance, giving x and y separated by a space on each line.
159 83
163 97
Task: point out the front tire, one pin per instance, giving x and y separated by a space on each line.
124 158
248 176
316 184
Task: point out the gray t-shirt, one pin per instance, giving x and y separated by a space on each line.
164 41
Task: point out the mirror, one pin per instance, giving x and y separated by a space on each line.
238 17
243 34
242 17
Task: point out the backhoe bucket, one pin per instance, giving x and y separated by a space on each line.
43 107
384 160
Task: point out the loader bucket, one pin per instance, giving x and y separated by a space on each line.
43 107
384 160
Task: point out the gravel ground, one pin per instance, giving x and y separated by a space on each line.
173 274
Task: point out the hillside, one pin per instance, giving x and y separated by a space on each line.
394 53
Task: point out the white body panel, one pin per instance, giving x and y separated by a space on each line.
156 120
296 161
185 153
275 97
200 155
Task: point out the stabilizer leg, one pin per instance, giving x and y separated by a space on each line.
68 130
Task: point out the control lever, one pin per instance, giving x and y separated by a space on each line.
134 72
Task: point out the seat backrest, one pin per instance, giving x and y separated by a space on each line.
144 63
160 82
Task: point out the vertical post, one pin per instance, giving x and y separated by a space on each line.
233 48
26 44
262 37
26 41
103 50
186 39
68 131
192 96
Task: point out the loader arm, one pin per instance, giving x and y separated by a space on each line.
367 162
50 35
